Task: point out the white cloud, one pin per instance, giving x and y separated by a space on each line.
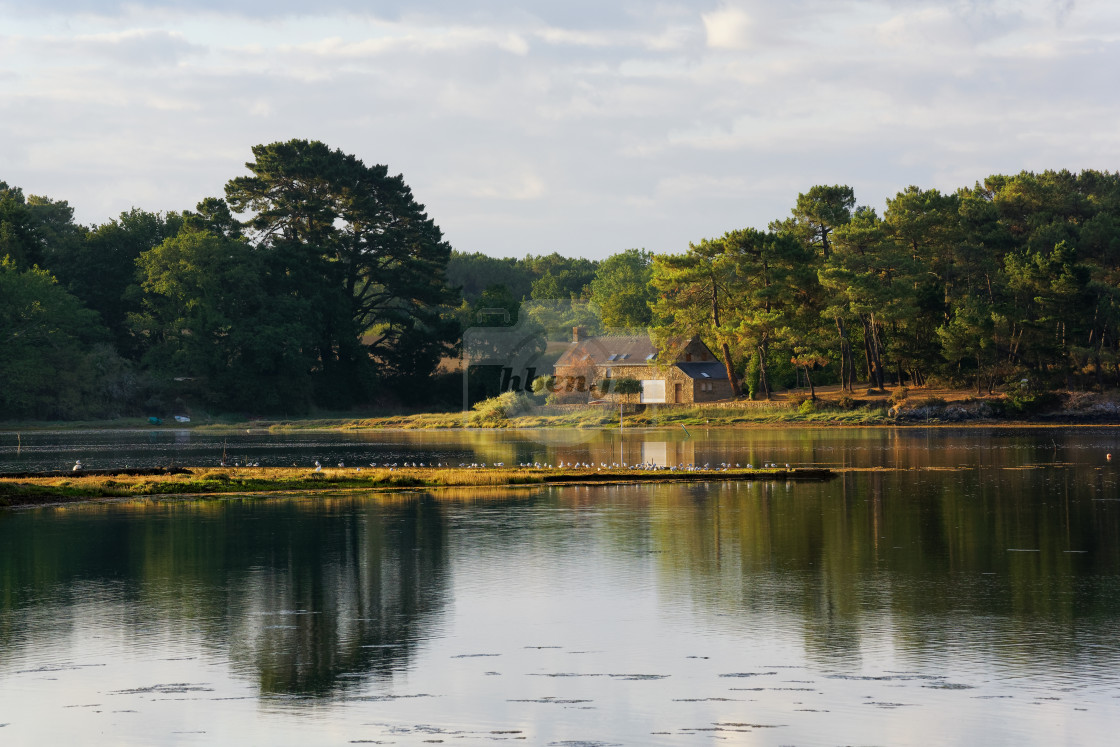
728 28
517 188
557 128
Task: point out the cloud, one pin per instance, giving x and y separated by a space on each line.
728 28
577 14
132 46
560 127
517 188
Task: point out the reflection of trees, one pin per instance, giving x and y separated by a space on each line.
309 596
328 596
918 559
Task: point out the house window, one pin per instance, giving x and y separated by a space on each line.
607 374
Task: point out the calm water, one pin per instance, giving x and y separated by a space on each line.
970 598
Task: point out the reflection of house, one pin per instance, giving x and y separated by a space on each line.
694 376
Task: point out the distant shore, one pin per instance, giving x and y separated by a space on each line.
832 408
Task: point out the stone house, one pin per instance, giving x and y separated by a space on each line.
694 376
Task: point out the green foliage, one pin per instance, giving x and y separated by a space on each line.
621 385
207 317
1028 402
627 385
334 291
109 252
20 238
498 410
351 243
473 273
539 277
54 363
543 385
560 277
621 290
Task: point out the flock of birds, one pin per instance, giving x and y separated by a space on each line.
645 466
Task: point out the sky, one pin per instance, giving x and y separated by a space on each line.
585 127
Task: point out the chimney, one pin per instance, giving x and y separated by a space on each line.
578 333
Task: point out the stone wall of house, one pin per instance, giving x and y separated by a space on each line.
720 389
690 390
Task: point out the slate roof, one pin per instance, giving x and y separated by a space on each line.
704 370
617 350
631 350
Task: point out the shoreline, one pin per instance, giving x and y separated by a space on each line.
201 482
287 426
407 423
898 407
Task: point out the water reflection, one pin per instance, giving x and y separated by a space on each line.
978 591
1034 555
907 448
304 597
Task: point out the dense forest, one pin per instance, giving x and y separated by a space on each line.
317 282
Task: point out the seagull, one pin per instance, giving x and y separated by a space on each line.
78 465
318 467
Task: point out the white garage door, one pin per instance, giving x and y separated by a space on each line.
653 391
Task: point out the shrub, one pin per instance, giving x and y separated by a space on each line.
807 407
932 402
501 408
799 398
898 396
1029 403
845 402
544 384
627 385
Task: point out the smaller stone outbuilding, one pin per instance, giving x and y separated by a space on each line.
695 375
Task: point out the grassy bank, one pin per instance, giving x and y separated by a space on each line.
24 491
891 407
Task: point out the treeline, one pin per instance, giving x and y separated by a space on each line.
317 281
314 279
1014 280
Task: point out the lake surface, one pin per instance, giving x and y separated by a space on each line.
970 596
